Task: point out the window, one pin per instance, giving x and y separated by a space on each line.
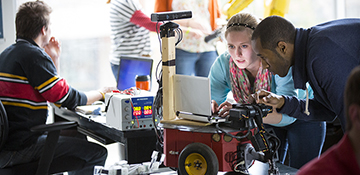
83 28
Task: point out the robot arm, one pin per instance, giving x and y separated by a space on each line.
235 6
272 7
264 144
276 7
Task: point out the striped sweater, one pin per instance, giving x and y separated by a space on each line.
129 30
28 80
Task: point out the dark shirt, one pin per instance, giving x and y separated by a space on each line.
28 80
324 56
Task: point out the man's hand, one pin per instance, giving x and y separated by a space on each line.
224 109
97 95
108 89
53 49
268 98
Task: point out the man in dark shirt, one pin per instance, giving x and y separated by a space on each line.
322 55
28 81
344 157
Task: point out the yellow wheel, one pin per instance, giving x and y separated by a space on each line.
198 159
195 164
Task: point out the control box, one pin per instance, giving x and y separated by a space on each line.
127 112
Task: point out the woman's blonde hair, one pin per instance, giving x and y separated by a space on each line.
240 22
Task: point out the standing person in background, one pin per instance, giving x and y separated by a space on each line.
129 31
28 82
193 55
239 70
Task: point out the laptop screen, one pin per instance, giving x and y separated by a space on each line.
192 94
130 66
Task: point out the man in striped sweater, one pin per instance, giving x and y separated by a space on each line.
28 81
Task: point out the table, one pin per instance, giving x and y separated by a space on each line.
139 144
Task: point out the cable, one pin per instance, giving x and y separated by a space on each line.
159 63
158 34
179 34
157 113
156 71
236 137
231 158
108 104
133 109
157 104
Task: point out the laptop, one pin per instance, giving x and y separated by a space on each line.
129 67
192 99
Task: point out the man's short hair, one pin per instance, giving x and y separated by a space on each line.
273 29
31 17
352 93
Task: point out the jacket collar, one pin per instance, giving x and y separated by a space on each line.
23 39
300 57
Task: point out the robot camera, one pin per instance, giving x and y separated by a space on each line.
169 16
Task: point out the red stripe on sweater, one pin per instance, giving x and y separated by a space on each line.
58 91
27 92
140 19
20 91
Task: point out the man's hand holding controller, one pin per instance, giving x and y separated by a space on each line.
269 98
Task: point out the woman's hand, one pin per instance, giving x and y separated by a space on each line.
214 107
199 26
193 27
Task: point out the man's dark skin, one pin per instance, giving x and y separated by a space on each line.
278 62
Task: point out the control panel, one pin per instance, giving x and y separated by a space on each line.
129 112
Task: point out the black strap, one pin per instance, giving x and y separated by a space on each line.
169 63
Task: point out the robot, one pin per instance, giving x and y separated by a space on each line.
229 146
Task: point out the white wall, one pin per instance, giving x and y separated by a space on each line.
8 15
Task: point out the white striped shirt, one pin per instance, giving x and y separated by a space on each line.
127 38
